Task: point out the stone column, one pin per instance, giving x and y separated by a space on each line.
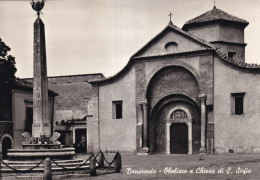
168 137
189 124
41 124
145 127
203 115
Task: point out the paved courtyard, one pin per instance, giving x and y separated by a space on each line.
232 166
227 167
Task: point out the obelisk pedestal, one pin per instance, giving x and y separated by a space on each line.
41 121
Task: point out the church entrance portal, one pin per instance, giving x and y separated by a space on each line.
179 138
175 128
179 131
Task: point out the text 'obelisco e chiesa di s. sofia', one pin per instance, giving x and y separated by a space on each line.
187 91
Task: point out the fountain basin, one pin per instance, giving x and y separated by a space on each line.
27 154
41 146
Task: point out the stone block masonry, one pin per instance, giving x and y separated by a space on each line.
41 122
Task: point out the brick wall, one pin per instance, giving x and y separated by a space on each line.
74 95
172 80
206 82
140 82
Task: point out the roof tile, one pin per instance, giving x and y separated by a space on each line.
216 14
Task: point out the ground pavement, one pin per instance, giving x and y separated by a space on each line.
231 166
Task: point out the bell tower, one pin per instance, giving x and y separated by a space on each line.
222 30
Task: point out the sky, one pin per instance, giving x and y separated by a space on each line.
100 36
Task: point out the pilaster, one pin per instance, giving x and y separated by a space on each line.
203 98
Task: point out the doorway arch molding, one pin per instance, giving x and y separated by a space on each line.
185 117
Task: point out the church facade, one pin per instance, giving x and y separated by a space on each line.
187 91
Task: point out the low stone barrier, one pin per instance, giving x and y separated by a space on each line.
95 162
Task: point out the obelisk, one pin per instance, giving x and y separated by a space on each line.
41 122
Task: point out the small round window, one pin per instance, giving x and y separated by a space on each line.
171 46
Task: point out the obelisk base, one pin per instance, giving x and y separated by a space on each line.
38 130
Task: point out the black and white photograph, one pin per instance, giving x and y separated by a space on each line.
129 89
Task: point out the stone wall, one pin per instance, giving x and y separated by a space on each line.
74 95
171 86
188 75
159 124
172 80
73 103
93 129
140 95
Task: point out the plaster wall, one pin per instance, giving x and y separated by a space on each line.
118 134
231 34
184 44
240 50
218 33
207 33
19 114
234 131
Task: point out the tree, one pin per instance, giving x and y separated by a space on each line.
7 81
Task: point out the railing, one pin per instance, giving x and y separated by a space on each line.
95 162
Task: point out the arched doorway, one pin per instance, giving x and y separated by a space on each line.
6 144
171 113
170 87
179 131
179 138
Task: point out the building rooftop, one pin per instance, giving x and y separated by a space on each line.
215 15
21 83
